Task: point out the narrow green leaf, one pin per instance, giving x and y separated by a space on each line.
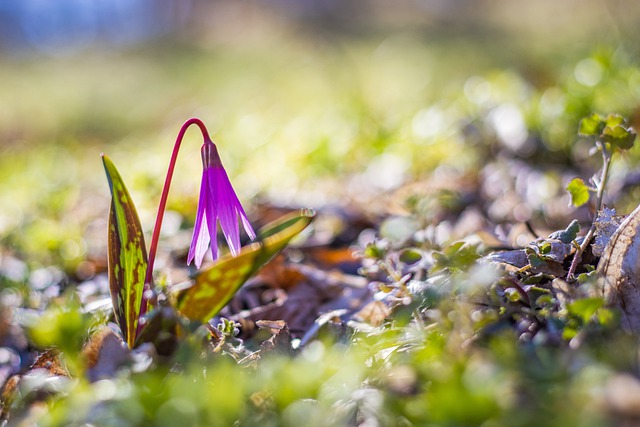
579 192
127 256
214 287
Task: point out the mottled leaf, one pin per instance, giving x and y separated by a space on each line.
127 256
214 287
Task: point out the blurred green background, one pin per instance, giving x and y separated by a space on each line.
312 103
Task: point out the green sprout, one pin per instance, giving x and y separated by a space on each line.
610 133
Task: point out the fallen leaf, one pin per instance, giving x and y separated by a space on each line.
8 395
567 235
374 313
278 274
50 362
280 341
104 354
606 224
517 258
328 258
45 376
620 269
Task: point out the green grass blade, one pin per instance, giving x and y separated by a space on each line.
127 255
215 286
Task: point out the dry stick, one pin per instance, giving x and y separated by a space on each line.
606 157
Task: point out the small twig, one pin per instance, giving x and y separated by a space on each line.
606 157
418 317
531 230
600 185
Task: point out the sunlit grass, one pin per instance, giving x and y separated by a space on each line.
300 119
319 120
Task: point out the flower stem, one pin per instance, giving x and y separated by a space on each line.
165 193
600 186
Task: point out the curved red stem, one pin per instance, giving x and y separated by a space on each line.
165 193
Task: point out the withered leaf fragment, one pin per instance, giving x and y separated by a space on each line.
619 268
606 225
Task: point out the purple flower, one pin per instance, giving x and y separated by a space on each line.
218 202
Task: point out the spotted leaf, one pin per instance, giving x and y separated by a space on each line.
214 287
127 256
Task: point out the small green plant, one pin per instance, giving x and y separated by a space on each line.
610 134
131 268
534 296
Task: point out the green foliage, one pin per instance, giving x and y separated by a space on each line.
592 125
64 327
213 287
579 192
585 308
527 349
457 256
613 130
127 257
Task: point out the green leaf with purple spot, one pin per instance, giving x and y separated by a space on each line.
127 257
214 287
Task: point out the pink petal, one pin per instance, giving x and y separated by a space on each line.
218 203
200 239
239 212
245 222
225 198
211 214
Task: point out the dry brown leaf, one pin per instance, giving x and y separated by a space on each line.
278 274
50 362
8 394
333 258
517 257
273 326
606 225
104 354
301 305
374 313
620 269
47 362
280 340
